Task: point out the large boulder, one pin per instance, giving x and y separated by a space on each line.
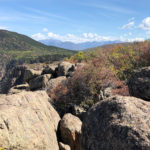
39 82
117 123
70 129
139 83
50 69
28 122
53 83
29 74
64 68
12 77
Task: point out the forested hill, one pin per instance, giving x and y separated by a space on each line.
17 48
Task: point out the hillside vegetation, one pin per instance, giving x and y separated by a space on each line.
105 68
22 48
17 49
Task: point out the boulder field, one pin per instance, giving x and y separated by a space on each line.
29 121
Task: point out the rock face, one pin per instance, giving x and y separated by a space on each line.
139 83
28 122
70 128
50 70
54 82
29 74
64 68
117 123
39 82
12 78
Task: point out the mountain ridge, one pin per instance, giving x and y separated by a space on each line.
76 46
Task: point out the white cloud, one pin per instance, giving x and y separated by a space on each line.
85 37
145 25
136 39
129 25
45 30
39 36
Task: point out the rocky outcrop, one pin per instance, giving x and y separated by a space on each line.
28 122
29 74
139 83
36 77
54 82
117 123
64 68
70 128
12 78
50 69
39 82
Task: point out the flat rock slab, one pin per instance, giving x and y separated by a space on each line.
28 122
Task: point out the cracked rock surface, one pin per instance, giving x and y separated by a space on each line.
27 122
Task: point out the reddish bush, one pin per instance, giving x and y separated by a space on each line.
85 86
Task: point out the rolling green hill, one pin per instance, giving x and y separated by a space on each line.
22 48
18 49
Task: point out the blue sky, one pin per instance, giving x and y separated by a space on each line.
77 20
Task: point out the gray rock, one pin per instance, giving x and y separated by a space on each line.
117 123
29 74
139 83
39 82
13 77
54 82
64 68
50 69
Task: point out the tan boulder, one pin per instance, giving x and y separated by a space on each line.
70 128
64 146
28 122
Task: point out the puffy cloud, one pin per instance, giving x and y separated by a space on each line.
85 37
145 25
45 30
136 39
39 36
129 25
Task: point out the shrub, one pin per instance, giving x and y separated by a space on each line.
84 87
79 57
